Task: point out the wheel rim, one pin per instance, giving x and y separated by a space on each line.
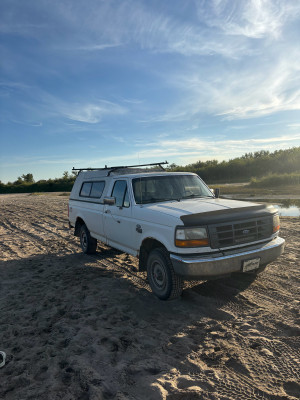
83 239
159 276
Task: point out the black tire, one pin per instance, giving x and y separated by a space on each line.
88 244
165 284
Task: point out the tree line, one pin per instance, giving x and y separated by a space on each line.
242 169
280 166
27 184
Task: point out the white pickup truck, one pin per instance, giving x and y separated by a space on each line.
173 223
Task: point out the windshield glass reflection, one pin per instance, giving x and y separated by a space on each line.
154 189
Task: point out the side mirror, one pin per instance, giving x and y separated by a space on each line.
217 193
110 201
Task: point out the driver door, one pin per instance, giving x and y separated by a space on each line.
118 223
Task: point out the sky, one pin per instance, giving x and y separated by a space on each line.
88 83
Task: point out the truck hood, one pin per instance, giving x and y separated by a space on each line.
199 210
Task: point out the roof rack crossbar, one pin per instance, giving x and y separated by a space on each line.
112 169
90 169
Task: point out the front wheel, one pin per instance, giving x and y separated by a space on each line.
88 244
165 284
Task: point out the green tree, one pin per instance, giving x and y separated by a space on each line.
65 176
28 178
19 181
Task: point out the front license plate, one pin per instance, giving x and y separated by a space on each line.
250 265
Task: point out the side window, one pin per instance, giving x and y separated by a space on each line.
121 194
92 189
97 189
85 189
126 199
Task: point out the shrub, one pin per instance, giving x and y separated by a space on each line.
276 180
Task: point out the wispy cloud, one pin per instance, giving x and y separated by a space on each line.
27 123
250 92
167 72
94 47
92 113
40 160
201 144
195 149
253 19
13 85
238 90
112 24
220 149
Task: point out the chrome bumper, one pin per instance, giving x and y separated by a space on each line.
225 263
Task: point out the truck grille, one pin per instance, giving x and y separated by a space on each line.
240 232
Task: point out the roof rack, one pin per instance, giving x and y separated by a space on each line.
114 169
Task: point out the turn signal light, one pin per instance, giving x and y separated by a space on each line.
191 243
276 223
276 228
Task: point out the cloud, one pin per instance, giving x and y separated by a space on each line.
202 144
92 113
232 59
27 123
252 19
193 149
13 85
37 106
40 160
209 148
110 24
265 85
95 47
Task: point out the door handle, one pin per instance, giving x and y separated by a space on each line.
107 212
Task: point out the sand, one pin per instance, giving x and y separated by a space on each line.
88 327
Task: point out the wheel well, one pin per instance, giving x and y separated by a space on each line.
147 246
78 225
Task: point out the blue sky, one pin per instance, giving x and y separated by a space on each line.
86 83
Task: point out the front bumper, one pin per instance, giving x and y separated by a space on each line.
227 262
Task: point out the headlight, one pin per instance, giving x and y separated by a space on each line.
191 237
276 223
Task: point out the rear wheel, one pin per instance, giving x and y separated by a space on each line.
165 284
88 244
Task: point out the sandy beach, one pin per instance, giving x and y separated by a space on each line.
75 326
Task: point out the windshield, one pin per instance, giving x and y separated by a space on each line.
154 189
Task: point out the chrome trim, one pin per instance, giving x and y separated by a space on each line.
226 262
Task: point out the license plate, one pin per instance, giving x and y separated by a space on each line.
250 265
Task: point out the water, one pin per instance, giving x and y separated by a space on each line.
286 208
292 211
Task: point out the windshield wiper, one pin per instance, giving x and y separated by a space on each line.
153 200
193 196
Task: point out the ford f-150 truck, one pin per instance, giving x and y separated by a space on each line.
176 226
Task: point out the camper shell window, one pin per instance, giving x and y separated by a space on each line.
92 189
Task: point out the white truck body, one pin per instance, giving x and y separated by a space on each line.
241 236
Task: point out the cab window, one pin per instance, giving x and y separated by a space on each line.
121 194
